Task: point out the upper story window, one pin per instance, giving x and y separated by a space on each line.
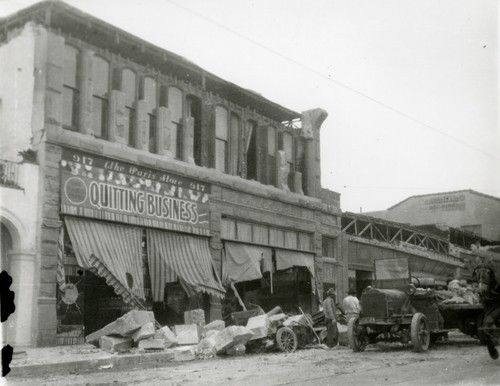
221 138
271 140
129 89
150 97
288 149
235 129
71 90
251 150
175 105
100 94
193 107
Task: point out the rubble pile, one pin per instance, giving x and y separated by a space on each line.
138 330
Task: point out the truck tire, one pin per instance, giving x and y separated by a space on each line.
357 340
420 335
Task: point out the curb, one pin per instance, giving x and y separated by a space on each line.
92 365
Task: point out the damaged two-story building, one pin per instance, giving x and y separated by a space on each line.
159 185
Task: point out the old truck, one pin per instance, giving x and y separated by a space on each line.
398 309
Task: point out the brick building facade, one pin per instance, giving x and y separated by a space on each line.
161 185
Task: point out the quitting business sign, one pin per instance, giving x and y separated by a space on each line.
106 189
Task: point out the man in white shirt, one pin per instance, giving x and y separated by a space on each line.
350 304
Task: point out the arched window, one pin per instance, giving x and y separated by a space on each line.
175 106
100 94
129 88
151 104
221 138
71 90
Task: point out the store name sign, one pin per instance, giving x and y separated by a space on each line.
94 186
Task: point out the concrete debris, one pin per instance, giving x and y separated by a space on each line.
187 334
275 321
152 344
114 344
195 317
211 333
217 325
259 325
296 320
230 337
206 348
236 350
124 326
184 353
145 332
167 335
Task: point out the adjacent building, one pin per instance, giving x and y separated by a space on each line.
467 210
153 184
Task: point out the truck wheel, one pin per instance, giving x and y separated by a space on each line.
286 339
356 335
420 336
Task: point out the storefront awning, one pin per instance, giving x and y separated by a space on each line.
245 262
115 248
187 256
289 259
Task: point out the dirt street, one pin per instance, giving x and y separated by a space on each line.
460 361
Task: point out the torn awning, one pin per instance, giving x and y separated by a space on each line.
245 262
288 259
187 256
117 247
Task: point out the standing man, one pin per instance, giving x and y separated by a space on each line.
351 305
330 311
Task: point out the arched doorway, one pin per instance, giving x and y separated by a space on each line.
6 245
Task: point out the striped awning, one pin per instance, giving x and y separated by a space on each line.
288 259
243 262
116 249
187 257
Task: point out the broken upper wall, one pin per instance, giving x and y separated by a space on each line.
104 82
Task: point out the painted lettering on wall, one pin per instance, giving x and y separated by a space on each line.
111 190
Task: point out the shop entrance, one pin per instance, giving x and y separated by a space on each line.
359 280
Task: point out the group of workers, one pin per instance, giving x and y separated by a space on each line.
350 307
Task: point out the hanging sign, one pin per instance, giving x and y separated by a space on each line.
102 188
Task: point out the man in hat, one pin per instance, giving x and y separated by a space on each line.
330 311
350 304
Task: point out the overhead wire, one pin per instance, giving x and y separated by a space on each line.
316 72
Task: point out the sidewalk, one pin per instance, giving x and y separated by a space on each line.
81 358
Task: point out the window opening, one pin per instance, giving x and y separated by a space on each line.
71 91
100 78
221 138
129 88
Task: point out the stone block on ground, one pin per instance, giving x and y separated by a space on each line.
184 353
152 344
211 333
195 317
145 332
114 344
206 348
236 350
186 334
259 325
167 335
218 325
230 337
125 325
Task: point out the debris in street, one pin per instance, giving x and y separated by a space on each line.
114 344
206 347
230 337
167 335
217 325
187 334
152 344
259 325
105 367
184 353
236 350
145 332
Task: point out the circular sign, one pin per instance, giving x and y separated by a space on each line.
70 294
75 190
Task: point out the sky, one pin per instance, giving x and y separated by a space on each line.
411 87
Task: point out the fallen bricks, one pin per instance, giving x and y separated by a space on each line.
230 337
167 335
186 334
114 344
145 332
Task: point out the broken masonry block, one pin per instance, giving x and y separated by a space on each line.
218 325
167 335
231 336
152 344
236 350
184 353
114 344
186 334
259 325
145 332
